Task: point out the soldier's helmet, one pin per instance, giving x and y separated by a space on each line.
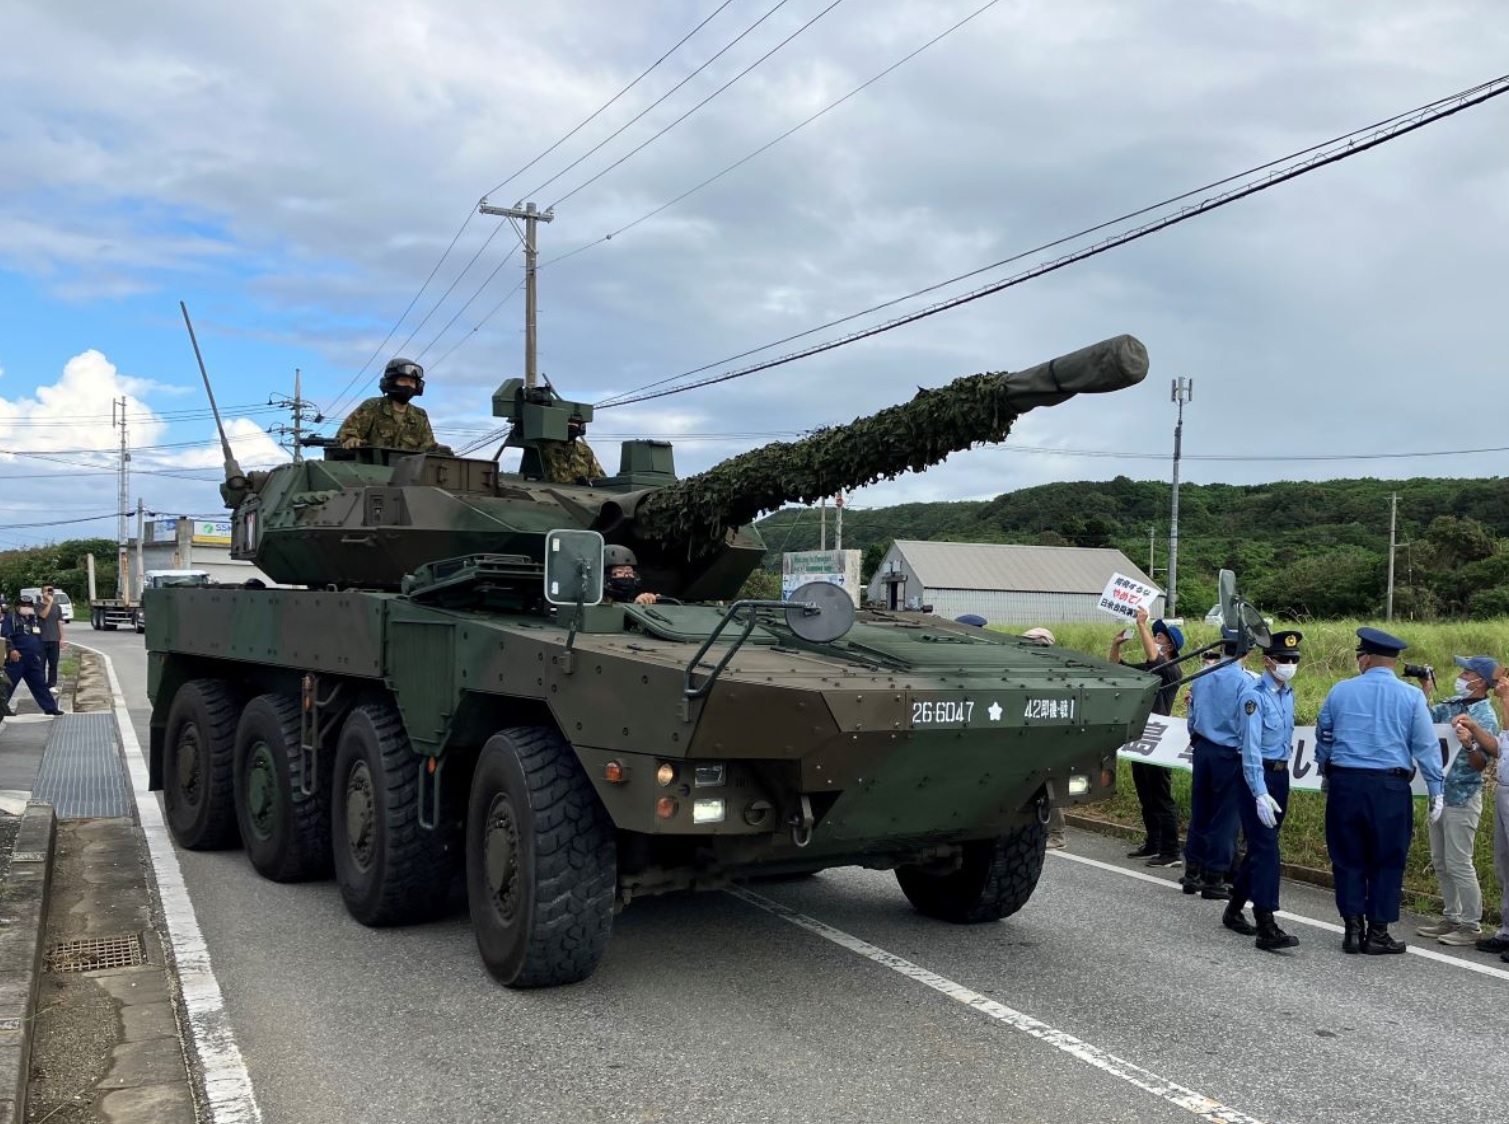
615 555
398 369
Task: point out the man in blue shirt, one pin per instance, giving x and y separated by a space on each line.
1267 728
1210 846
1373 732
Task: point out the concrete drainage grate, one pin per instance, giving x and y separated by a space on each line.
97 954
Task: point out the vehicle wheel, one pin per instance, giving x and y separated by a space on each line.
391 870
996 879
286 833
541 861
199 765
96 619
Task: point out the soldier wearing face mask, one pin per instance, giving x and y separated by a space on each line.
1266 729
621 577
393 421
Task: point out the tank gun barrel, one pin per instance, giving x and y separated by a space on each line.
236 483
975 409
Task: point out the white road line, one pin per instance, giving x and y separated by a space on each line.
1202 1106
1299 918
227 1085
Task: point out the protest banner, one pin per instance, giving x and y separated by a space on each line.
1123 596
1165 742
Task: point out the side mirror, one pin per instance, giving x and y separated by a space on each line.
573 567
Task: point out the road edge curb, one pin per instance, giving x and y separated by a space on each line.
21 946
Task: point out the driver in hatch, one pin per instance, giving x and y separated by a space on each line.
621 577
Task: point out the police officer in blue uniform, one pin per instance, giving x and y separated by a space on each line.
1267 728
1215 736
26 653
1373 732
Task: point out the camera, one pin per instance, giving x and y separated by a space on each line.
1419 671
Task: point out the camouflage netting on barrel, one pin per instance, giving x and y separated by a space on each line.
699 510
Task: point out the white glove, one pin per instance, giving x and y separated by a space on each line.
1437 807
1268 810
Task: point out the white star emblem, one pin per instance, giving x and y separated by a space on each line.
994 710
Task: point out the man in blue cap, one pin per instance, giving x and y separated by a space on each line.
1161 643
1267 731
1453 838
1215 736
1374 730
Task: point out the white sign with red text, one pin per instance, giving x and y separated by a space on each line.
1165 742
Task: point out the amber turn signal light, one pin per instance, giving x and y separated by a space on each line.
613 772
665 807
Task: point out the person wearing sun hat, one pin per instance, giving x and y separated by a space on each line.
1373 732
1161 642
1454 835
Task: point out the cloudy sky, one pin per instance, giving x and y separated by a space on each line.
295 170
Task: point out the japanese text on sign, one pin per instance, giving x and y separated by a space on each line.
1123 596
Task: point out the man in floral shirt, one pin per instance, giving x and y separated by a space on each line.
1453 836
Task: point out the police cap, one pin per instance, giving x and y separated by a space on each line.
1376 642
25 599
1283 644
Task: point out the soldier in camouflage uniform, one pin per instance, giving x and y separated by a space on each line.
570 461
392 421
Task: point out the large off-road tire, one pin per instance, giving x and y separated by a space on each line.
96 619
286 833
391 871
995 880
198 765
541 861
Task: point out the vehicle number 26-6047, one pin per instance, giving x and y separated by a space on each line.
932 712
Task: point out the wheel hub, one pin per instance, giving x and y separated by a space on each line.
189 755
500 848
262 791
361 814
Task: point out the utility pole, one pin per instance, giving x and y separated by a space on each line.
822 523
1393 526
299 408
838 522
1183 391
141 531
530 215
123 488
1151 551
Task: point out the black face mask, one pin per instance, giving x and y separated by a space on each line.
401 394
621 589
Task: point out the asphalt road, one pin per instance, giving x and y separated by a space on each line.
1109 998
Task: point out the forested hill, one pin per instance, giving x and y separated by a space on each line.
1301 549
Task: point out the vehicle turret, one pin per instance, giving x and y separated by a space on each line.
368 517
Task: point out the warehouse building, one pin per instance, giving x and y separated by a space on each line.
1004 583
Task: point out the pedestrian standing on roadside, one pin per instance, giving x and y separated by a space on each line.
23 662
1454 835
1489 746
1267 737
50 614
1210 847
1161 643
1373 732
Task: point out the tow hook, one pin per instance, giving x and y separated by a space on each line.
801 824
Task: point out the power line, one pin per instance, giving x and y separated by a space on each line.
1329 152
771 144
598 111
638 116
477 327
656 136
471 212
486 282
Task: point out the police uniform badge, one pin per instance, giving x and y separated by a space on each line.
1251 707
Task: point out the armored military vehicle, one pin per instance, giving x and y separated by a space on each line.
447 694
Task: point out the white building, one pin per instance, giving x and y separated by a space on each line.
1004 583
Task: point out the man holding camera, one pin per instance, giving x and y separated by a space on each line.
1373 732
1453 837
1484 747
